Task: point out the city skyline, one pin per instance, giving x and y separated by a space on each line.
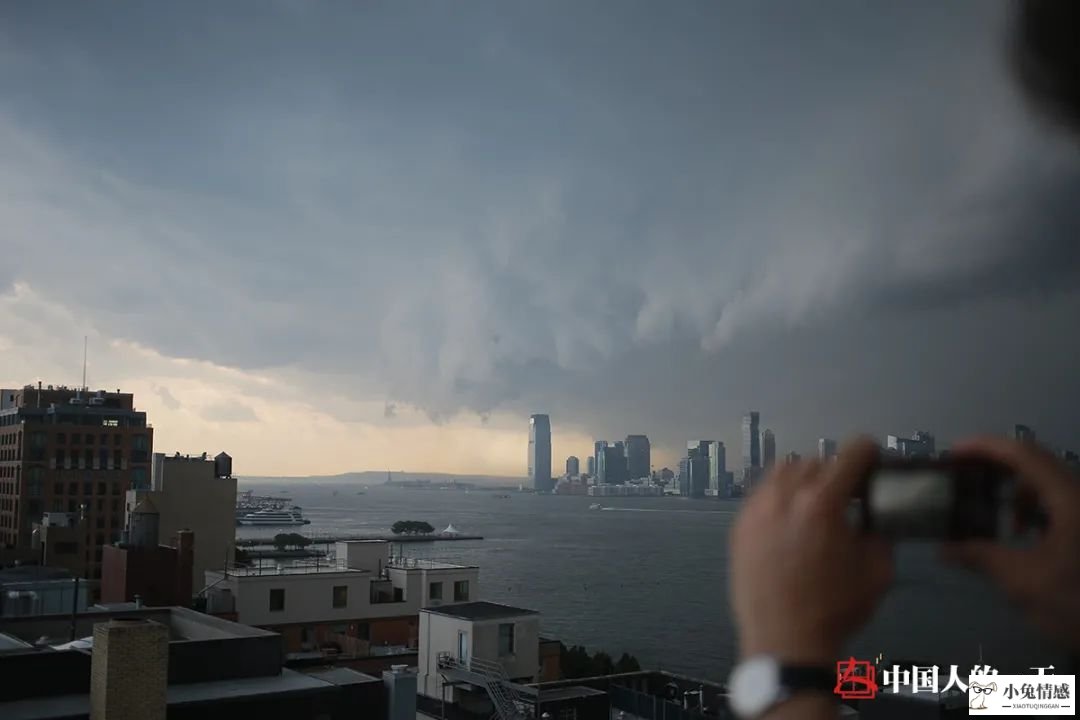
336 270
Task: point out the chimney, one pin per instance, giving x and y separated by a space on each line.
129 670
185 566
399 682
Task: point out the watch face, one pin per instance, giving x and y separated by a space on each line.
754 686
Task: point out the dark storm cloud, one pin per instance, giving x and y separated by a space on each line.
628 215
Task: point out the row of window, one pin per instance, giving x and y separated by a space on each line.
340 595
461 591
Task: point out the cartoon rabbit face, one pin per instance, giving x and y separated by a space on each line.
978 695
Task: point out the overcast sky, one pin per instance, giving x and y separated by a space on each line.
328 236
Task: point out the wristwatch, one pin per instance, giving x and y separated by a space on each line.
759 683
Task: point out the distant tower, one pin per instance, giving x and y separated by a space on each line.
826 449
573 466
1023 433
638 456
751 440
792 457
590 465
540 453
768 448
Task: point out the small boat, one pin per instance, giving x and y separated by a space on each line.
274 518
596 506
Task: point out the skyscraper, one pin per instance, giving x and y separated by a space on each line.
612 467
573 466
598 450
768 448
590 465
697 456
540 453
792 457
1022 433
751 439
638 457
826 449
718 475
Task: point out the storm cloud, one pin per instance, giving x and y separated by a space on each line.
637 217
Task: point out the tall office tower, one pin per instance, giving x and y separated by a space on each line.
573 467
718 484
768 448
925 443
697 454
826 449
1023 433
922 445
590 465
598 450
612 467
70 452
751 439
540 453
682 477
638 457
792 457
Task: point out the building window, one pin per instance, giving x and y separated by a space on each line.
33 482
138 479
76 439
506 639
58 488
61 438
435 591
461 591
277 599
59 457
104 439
88 457
341 596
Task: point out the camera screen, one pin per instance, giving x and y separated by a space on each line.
911 504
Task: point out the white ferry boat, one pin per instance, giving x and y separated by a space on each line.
278 518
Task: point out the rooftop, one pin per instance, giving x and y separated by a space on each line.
305 569
480 610
287 683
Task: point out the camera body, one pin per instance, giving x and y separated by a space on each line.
939 499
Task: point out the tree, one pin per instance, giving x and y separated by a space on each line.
281 541
626 664
575 662
411 527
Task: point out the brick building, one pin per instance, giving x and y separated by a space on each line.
70 450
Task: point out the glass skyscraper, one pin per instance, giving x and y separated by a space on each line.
751 440
540 453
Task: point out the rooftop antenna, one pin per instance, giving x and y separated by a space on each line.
84 340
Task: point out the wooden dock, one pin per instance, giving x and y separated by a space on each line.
330 539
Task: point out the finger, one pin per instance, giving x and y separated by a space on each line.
1010 568
854 462
1036 468
800 475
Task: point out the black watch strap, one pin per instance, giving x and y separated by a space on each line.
796 678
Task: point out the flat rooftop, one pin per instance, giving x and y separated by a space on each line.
480 610
422 564
274 571
289 682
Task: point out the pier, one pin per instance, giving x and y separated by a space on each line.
330 539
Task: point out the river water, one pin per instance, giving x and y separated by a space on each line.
649 576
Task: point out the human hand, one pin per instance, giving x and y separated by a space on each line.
1044 579
803 580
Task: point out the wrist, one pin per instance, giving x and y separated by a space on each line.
791 648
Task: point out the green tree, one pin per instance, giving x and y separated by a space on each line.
281 541
602 664
627 663
411 527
